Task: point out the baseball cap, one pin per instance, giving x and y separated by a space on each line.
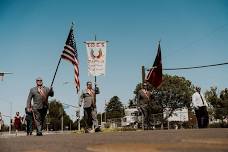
38 79
89 83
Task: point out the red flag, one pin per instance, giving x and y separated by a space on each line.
154 76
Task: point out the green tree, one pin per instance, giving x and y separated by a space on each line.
56 110
175 92
115 108
224 102
131 103
218 102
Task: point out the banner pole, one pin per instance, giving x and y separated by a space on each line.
95 82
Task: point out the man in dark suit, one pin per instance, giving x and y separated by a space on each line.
144 98
39 95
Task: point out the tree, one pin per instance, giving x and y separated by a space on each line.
175 92
56 110
224 102
131 103
219 103
115 108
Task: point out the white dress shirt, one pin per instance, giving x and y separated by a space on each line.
197 101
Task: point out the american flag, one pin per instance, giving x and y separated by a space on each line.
70 54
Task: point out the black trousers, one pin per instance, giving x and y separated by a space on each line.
88 117
202 117
29 120
40 115
146 115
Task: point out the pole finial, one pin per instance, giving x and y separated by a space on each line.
72 25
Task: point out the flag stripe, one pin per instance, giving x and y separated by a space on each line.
69 57
76 78
70 54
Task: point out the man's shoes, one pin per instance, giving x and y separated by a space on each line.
39 134
91 131
98 129
86 131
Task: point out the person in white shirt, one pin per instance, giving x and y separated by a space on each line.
200 106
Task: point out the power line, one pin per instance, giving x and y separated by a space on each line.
193 67
197 67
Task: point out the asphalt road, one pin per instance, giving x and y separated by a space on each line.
183 140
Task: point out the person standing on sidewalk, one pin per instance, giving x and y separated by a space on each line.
39 95
200 106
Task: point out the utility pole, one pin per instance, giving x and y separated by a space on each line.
101 118
62 121
105 111
10 117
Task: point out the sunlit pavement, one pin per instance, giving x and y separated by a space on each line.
183 140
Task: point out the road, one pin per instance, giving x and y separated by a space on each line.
183 140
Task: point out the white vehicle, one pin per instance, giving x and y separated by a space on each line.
131 118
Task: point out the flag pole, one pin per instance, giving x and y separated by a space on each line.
95 83
143 74
56 71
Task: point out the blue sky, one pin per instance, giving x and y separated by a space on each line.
33 33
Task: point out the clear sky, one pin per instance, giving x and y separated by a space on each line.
33 33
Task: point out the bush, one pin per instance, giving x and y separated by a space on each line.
219 125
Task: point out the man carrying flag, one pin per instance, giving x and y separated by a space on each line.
39 95
154 76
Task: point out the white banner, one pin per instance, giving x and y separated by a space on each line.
96 52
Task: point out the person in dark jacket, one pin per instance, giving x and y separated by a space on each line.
29 121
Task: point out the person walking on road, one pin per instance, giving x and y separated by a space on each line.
89 106
144 98
200 106
1 122
29 121
17 122
39 95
